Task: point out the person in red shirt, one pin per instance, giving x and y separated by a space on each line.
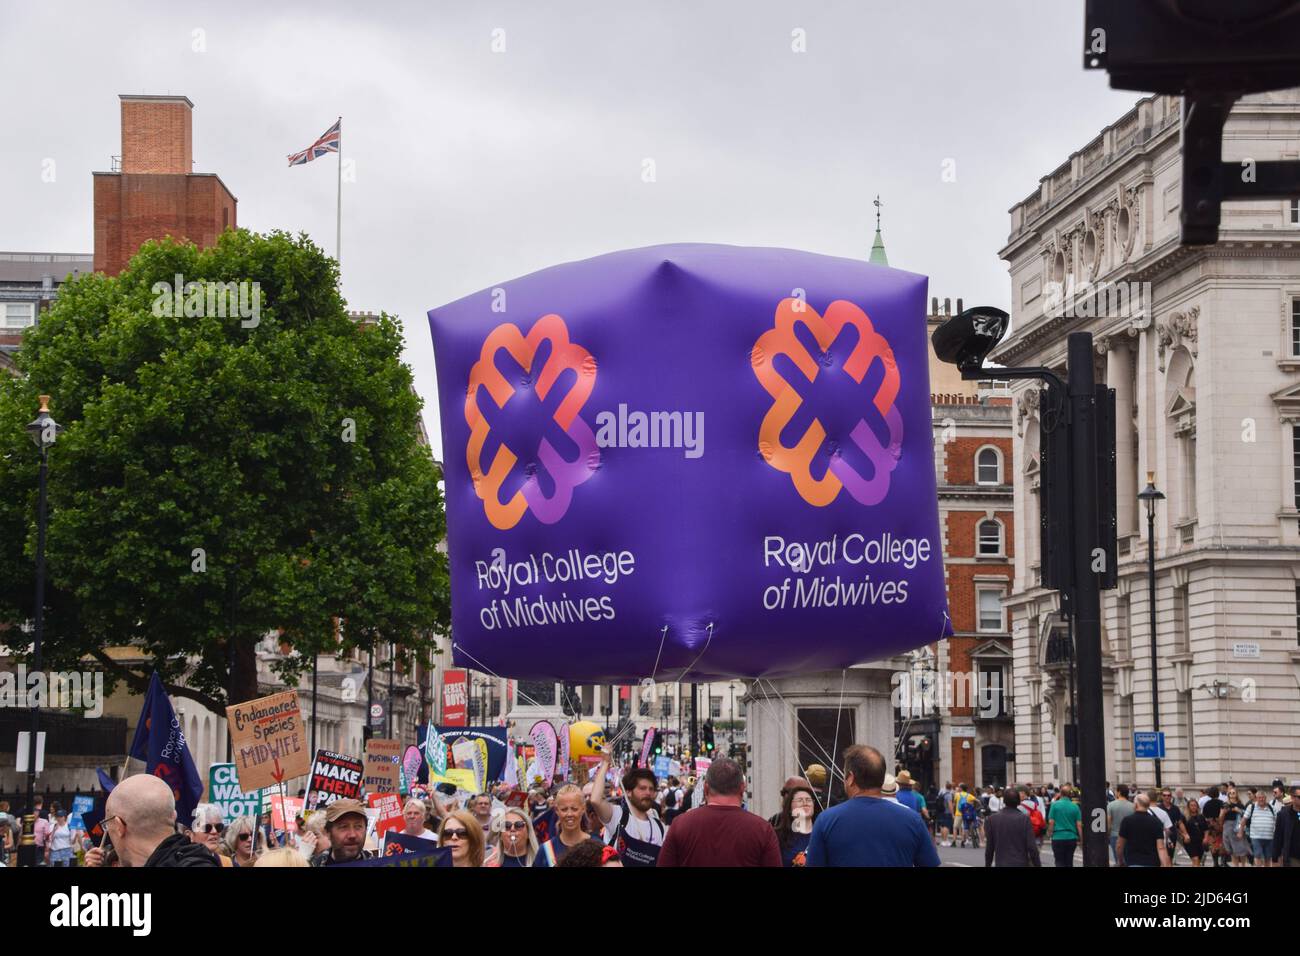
722 832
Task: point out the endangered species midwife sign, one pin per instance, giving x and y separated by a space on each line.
690 460
266 740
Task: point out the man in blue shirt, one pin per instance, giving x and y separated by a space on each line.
866 830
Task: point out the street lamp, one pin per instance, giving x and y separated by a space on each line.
44 431
1149 496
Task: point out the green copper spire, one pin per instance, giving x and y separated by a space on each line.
878 247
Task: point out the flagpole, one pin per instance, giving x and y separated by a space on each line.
338 239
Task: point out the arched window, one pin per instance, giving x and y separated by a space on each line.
988 539
988 466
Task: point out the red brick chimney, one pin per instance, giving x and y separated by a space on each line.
155 193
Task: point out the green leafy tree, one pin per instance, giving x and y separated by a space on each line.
220 477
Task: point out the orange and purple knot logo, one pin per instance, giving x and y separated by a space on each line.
833 423
528 446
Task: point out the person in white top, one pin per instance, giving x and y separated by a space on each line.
415 813
995 802
640 836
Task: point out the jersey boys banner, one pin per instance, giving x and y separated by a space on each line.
691 460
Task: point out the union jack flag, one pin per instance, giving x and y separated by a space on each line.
328 143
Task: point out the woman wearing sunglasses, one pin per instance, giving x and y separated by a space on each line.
240 842
463 834
208 828
518 841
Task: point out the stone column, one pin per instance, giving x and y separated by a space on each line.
1119 376
772 724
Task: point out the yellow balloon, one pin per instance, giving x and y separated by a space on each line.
586 739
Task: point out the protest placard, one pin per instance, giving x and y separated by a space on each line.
223 790
333 777
266 740
285 812
80 806
389 807
383 766
459 778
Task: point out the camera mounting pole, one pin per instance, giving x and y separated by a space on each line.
966 341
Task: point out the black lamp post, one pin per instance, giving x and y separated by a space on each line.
1149 496
44 431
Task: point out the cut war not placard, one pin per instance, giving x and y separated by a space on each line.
224 791
333 777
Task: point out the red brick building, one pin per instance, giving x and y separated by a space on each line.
153 191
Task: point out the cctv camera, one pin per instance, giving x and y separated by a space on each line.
966 339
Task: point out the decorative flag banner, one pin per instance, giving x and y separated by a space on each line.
455 698
618 429
510 775
645 748
328 142
333 777
546 744
160 742
383 766
223 790
412 764
564 732
389 812
266 740
435 750
80 807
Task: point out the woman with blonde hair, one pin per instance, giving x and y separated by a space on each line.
517 840
463 834
281 857
242 842
570 810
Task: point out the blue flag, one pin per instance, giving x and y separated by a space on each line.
160 743
105 780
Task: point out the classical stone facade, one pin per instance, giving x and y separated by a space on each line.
1202 347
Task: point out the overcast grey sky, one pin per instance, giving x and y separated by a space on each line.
475 166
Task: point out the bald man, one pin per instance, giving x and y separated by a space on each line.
140 817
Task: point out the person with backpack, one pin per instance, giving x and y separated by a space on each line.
633 827
970 820
1259 823
1031 807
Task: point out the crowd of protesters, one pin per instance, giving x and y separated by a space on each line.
641 820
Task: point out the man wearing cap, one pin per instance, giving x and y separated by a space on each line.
908 796
345 825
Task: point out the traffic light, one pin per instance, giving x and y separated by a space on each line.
657 744
708 736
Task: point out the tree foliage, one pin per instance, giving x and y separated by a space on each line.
203 491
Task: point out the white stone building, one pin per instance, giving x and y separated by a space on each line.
1204 355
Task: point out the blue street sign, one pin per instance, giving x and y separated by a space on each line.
1148 745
